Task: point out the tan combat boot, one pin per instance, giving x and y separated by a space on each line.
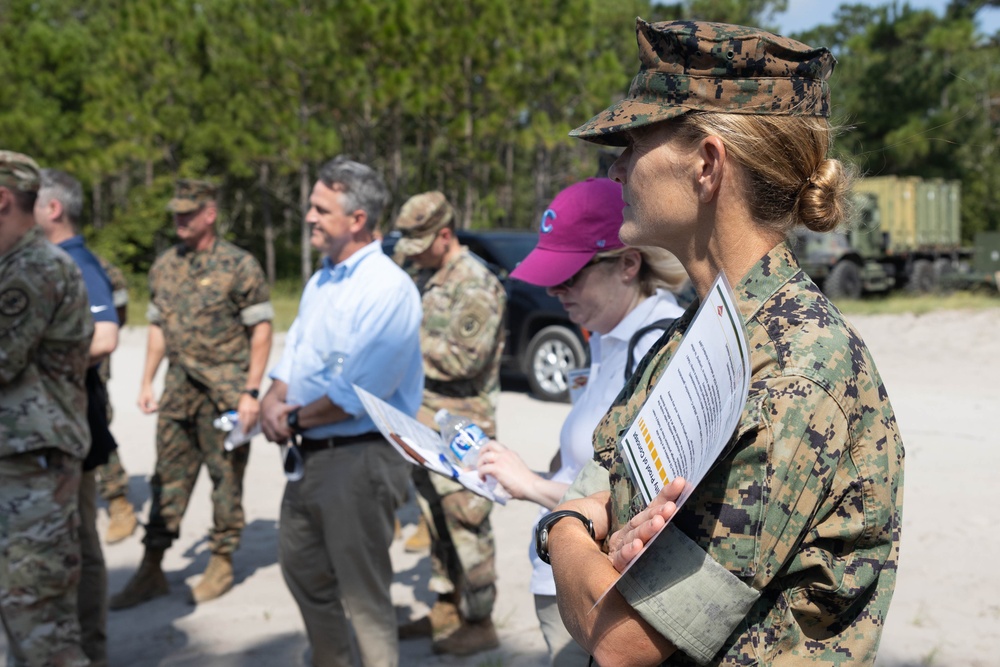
147 583
471 637
216 581
442 620
123 521
420 541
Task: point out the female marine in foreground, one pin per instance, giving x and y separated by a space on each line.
787 551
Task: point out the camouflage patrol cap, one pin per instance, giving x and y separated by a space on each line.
190 195
694 65
420 219
19 172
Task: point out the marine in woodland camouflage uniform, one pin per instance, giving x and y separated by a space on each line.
800 517
461 339
205 302
45 332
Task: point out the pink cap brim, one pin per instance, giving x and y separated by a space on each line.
548 268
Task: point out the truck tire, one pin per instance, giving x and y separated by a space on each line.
552 353
923 278
844 281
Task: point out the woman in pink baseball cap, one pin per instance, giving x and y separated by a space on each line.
624 297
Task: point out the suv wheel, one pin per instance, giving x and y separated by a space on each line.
552 353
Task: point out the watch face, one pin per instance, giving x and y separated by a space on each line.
542 543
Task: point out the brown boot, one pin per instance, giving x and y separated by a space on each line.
123 521
147 583
442 620
420 541
216 581
471 637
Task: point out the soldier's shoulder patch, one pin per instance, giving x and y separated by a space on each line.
13 301
471 320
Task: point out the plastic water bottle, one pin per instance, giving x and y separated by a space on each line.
227 421
462 439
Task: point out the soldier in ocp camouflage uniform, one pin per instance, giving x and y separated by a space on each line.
45 332
786 552
111 477
210 315
461 339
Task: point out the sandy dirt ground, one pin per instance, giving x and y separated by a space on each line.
941 371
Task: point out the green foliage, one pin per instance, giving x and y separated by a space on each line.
474 99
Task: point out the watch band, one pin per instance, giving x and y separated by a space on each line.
293 421
254 393
546 523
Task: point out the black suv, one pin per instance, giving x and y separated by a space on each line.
542 343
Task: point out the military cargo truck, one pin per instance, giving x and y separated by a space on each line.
904 232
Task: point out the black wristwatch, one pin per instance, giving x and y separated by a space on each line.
546 523
253 393
293 421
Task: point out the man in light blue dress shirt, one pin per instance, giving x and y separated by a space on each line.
358 322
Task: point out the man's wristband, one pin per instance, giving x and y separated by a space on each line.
546 523
253 393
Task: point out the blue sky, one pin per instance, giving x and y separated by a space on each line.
805 14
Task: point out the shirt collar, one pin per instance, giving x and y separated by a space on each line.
72 242
441 275
633 321
336 272
764 278
30 236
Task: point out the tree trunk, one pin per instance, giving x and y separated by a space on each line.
265 213
306 249
470 152
541 179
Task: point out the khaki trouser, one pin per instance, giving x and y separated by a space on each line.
336 527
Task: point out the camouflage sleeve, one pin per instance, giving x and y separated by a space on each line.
686 596
465 344
808 524
54 307
251 293
119 286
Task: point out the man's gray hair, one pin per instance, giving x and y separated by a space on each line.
362 186
59 185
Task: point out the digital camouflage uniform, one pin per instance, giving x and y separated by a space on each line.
204 303
462 340
112 479
803 507
45 332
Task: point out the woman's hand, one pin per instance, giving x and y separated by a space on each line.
627 542
507 468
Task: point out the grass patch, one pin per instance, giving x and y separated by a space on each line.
899 303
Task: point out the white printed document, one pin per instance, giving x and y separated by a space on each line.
695 407
691 413
421 445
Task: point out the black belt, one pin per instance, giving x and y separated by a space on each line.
319 444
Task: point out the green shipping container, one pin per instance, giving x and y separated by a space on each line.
916 214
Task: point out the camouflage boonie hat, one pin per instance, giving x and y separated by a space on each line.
190 195
20 172
420 219
693 65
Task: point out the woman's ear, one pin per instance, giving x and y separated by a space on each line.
711 163
631 263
